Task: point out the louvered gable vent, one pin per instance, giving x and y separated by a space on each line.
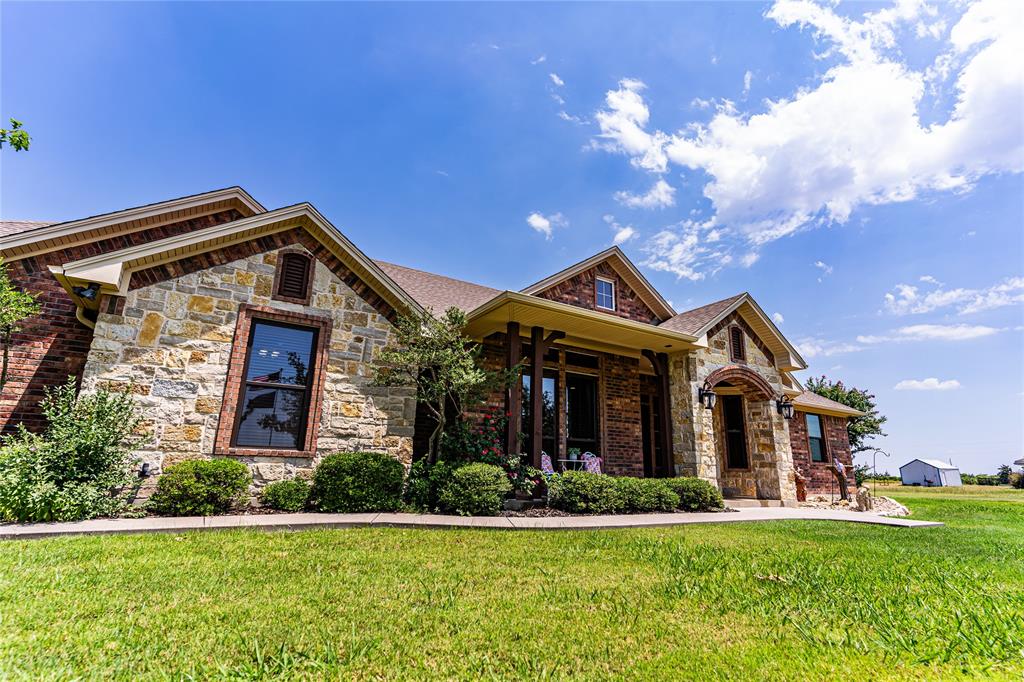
736 344
294 282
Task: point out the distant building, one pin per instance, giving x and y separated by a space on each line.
930 472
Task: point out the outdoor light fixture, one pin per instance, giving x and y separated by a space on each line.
707 397
785 407
144 471
88 293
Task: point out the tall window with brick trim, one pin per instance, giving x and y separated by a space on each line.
294 276
736 349
275 393
816 439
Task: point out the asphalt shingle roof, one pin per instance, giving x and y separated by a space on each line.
692 321
438 292
9 227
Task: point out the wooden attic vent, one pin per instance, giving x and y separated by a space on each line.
736 350
293 276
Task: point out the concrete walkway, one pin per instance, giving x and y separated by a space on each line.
303 521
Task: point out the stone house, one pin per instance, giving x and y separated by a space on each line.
252 334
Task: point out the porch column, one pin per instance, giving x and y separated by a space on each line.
540 346
660 363
514 395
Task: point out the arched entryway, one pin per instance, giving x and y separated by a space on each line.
748 434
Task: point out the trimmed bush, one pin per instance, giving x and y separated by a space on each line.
475 490
579 492
425 482
201 487
288 495
353 482
641 495
696 494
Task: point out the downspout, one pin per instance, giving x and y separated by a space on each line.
81 317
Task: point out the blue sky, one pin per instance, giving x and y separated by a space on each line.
857 167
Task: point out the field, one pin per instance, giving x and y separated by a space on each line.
793 600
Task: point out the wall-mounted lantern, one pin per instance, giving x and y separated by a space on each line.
785 407
88 293
707 396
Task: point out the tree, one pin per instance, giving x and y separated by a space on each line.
859 429
432 354
15 306
15 136
1003 474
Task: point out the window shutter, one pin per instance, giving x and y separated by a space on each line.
294 281
736 343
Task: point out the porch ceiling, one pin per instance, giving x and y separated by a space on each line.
582 327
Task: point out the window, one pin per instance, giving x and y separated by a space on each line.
816 439
548 436
736 350
293 275
605 293
581 412
275 392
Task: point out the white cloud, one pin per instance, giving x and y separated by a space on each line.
811 347
687 250
778 318
747 78
546 224
855 136
623 233
556 80
660 195
929 384
539 60
907 299
932 332
825 268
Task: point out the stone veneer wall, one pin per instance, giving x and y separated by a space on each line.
580 291
171 342
694 443
820 479
53 344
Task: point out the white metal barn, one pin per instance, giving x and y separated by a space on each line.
930 472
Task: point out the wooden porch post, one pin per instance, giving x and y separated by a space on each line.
659 361
540 346
514 395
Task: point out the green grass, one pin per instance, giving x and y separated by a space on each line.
793 600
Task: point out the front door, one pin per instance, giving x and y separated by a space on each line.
650 432
735 435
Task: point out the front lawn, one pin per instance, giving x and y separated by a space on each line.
793 600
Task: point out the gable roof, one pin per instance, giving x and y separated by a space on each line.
9 227
437 292
53 236
625 269
937 463
112 271
819 404
700 320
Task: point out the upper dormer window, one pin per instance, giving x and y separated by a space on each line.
294 272
605 293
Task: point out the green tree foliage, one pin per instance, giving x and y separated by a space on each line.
1003 474
15 306
431 354
15 136
859 428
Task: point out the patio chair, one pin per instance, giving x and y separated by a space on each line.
546 467
592 463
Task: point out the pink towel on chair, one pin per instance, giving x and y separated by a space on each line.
592 463
545 464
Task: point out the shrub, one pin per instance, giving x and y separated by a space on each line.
638 495
696 494
354 482
288 495
80 467
579 492
475 490
201 488
425 482
1017 480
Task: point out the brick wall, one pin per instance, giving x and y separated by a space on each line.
580 291
53 345
820 479
623 446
